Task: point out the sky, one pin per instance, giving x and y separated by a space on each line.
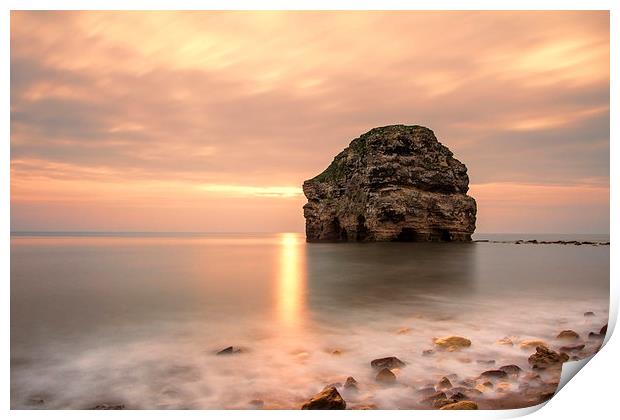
211 121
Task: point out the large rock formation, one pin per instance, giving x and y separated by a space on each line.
394 183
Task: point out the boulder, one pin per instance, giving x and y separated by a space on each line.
451 343
328 399
393 183
568 335
494 374
385 376
387 362
461 405
544 358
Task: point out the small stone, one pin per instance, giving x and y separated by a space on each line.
385 376
431 399
576 347
461 405
336 352
494 374
228 351
428 352
350 383
596 336
603 330
485 362
257 403
387 362
545 358
506 341
328 399
532 344
512 370
589 313
403 331
109 407
444 384
452 343
568 335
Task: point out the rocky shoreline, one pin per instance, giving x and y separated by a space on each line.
536 242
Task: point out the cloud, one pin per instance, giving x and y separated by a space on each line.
266 99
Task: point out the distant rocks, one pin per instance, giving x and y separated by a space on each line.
328 399
536 242
394 183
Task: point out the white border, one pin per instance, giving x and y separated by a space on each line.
592 395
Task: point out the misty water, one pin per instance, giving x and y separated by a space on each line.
137 319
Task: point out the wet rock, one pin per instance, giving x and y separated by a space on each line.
385 376
494 374
443 402
387 362
394 183
228 351
512 370
596 336
336 352
485 362
452 343
458 396
603 330
532 344
433 398
328 399
351 383
333 384
444 384
109 407
506 341
569 349
257 404
502 387
544 358
568 335
470 392
469 382
461 405
427 391
588 313
365 407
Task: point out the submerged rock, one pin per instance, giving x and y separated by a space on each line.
494 374
568 335
387 362
386 376
394 183
589 313
531 344
461 405
109 407
328 399
351 383
228 351
512 370
576 347
444 384
544 358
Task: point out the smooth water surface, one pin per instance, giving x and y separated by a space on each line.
137 319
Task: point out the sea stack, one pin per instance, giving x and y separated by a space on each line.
394 183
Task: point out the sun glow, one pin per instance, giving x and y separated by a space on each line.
291 280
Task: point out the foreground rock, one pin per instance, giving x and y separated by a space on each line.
461 405
351 383
328 399
544 358
568 335
394 183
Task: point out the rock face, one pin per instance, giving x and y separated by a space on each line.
394 183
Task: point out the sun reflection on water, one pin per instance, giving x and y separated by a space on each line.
291 279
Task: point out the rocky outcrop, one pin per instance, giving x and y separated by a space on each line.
328 399
394 183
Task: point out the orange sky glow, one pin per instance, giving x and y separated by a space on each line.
211 121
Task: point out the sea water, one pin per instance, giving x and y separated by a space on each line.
137 319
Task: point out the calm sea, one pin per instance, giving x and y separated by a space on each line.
137 318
